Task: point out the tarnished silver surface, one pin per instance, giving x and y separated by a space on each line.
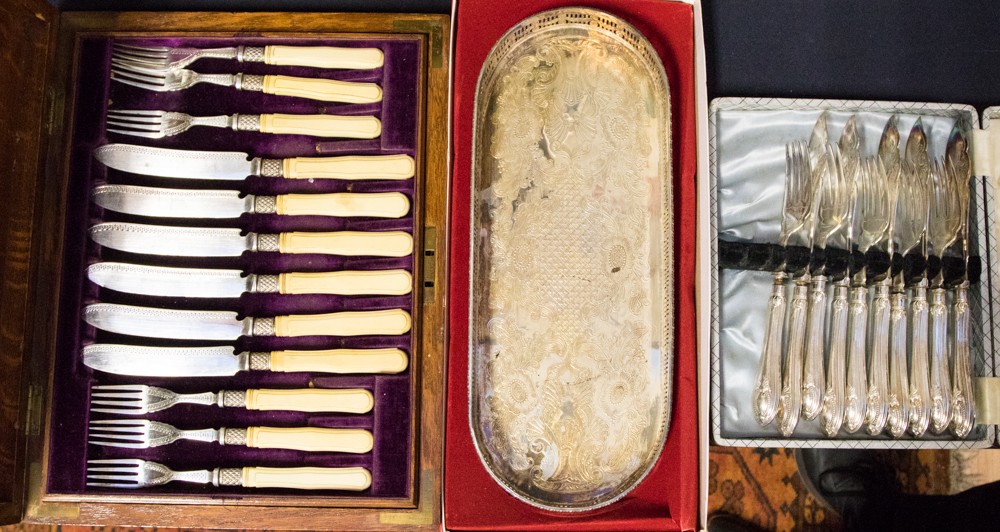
174 203
182 164
174 282
572 255
170 240
164 361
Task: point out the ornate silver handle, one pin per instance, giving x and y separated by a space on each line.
765 392
857 383
790 402
813 379
940 375
878 369
899 388
963 408
833 398
920 407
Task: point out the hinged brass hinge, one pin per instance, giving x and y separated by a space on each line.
33 421
50 119
430 264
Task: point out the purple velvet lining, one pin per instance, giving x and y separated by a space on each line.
390 460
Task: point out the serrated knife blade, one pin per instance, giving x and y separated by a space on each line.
225 165
182 203
225 325
220 361
204 282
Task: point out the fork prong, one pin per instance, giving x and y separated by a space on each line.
130 422
133 462
118 395
148 135
122 411
116 432
112 485
148 86
132 117
130 387
148 52
156 78
121 445
141 67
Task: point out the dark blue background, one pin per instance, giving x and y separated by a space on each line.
916 50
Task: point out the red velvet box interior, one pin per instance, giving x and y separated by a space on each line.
667 499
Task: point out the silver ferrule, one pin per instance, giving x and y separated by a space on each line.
265 242
206 435
245 122
249 82
265 204
227 476
229 436
265 284
199 476
250 54
263 327
232 399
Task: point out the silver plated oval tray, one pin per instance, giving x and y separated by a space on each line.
571 344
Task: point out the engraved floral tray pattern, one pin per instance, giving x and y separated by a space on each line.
572 304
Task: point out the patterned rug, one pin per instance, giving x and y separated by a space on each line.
762 486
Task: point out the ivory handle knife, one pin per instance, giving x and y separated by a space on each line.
353 127
353 401
307 478
381 204
324 56
382 244
310 439
327 90
389 360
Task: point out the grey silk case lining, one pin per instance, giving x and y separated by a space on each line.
747 137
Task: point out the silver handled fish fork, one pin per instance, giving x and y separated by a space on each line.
311 56
795 212
155 124
175 79
833 199
134 473
134 399
143 434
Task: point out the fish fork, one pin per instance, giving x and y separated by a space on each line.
175 79
310 56
795 211
848 166
871 222
134 473
942 230
143 434
158 124
134 399
832 208
886 174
